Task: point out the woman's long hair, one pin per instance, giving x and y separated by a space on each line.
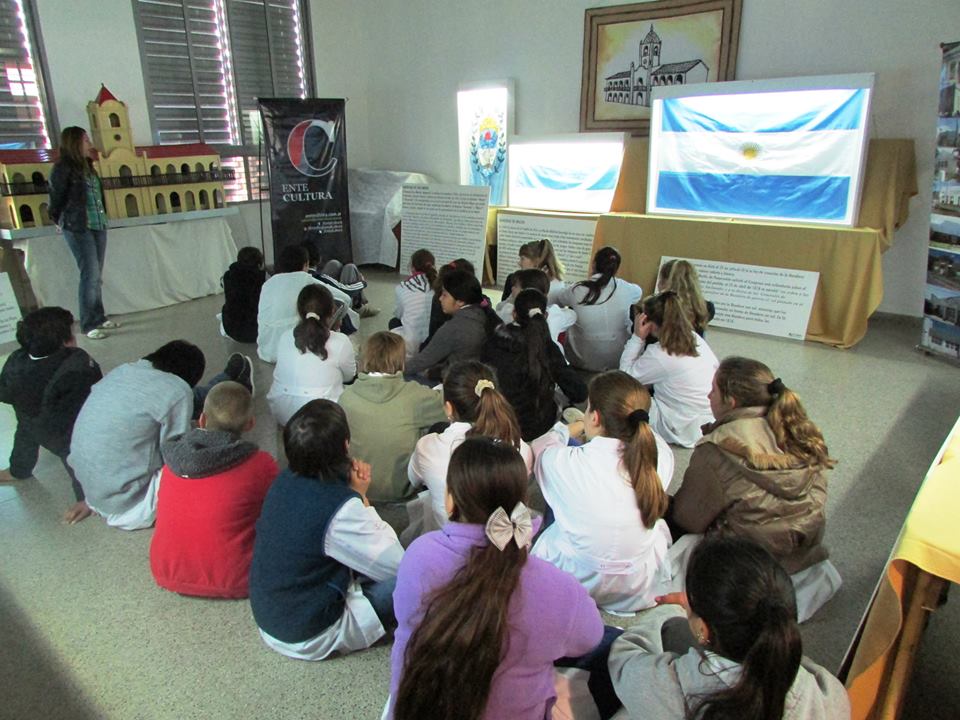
311 333
749 383
479 404
676 335
423 261
530 307
71 150
606 262
619 398
681 277
453 653
747 602
542 253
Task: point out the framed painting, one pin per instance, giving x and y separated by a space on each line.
630 49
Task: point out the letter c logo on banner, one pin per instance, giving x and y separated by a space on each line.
310 147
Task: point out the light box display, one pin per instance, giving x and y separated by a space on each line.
575 173
789 150
485 121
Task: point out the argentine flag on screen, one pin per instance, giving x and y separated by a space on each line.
784 155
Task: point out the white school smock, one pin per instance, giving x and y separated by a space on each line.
556 287
598 535
277 309
302 377
559 319
681 386
413 300
596 340
428 468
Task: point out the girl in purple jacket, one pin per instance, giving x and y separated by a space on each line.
481 623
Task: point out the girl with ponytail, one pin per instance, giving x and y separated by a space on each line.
540 255
313 359
666 353
608 497
530 366
681 277
474 406
411 318
480 623
602 304
760 471
739 651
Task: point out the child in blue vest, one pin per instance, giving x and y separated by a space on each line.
324 563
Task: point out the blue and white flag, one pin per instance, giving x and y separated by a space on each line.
788 155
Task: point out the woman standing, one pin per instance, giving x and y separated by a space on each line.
77 207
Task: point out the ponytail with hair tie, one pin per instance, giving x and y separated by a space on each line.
311 316
638 417
534 311
483 385
776 387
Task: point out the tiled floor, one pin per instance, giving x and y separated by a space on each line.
85 633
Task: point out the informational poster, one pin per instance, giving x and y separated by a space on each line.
9 311
485 120
448 220
941 299
306 144
766 300
571 237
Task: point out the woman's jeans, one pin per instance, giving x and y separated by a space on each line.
89 248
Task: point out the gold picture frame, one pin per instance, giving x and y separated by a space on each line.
630 49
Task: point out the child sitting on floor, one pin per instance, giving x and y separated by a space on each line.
241 294
324 563
681 277
411 318
47 381
115 448
559 319
211 489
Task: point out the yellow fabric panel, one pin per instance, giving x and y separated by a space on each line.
848 260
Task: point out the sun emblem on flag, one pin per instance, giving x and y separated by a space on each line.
750 150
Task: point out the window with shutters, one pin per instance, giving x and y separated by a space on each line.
25 117
206 62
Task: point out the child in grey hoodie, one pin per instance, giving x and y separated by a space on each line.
737 655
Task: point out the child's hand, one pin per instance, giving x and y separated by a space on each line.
76 513
642 326
675 598
360 479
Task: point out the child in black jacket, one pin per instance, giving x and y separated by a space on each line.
47 381
241 295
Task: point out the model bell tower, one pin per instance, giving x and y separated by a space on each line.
650 50
109 123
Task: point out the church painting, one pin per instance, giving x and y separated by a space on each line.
631 49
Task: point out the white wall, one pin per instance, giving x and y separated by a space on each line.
412 55
400 62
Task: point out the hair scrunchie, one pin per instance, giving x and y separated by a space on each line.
483 385
638 417
534 311
776 387
311 316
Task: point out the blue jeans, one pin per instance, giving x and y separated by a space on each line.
600 683
380 596
89 248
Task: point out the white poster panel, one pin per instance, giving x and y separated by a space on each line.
9 311
448 220
571 237
766 300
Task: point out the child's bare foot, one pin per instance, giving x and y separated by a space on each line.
7 479
77 512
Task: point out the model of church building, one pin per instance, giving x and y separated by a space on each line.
137 180
633 86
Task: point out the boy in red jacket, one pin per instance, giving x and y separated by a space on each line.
211 489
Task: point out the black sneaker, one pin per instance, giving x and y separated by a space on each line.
245 377
234 367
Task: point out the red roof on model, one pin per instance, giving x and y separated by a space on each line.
105 95
166 151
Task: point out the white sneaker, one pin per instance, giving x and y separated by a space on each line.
109 325
97 334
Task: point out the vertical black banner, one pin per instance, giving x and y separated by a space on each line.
306 142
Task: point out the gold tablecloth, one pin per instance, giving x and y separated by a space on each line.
926 555
848 259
